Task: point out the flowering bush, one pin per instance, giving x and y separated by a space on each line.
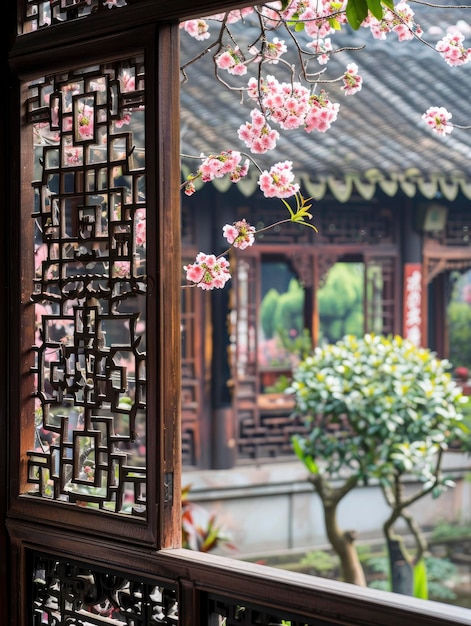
380 409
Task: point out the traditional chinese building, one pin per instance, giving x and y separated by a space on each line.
391 204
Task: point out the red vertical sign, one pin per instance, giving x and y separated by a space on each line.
412 319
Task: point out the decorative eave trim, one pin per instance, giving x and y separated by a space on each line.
411 182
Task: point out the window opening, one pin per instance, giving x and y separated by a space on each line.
341 302
459 321
282 333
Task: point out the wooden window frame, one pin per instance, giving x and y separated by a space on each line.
34 525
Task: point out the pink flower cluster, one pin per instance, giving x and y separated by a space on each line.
232 61
316 15
85 122
291 105
322 113
198 29
279 181
352 82
239 234
121 269
141 228
321 47
208 271
258 135
438 119
452 50
217 166
274 50
128 82
224 163
232 16
400 22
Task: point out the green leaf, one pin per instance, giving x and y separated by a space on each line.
420 580
375 8
388 3
307 459
357 12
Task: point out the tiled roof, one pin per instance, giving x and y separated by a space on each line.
379 138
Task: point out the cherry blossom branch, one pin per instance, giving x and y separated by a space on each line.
295 103
212 272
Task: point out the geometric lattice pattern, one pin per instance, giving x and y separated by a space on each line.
233 613
89 289
70 593
38 14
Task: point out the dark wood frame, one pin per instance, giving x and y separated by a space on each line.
33 527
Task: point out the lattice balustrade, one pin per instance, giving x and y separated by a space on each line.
39 14
89 289
66 592
228 612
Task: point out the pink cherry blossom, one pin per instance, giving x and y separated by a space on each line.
232 61
321 47
321 114
232 16
228 162
208 271
274 50
291 105
278 182
438 119
198 29
352 82
128 82
315 16
239 234
114 3
190 188
452 50
125 120
121 269
401 22
141 233
258 135
85 122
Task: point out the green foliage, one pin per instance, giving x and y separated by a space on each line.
429 576
200 529
444 531
378 406
288 312
340 302
438 571
320 562
420 580
268 305
299 345
357 10
282 312
282 383
459 333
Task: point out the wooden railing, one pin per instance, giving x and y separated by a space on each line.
247 593
185 588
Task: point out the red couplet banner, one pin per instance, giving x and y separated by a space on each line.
412 315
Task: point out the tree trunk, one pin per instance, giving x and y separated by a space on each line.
343 542
402 575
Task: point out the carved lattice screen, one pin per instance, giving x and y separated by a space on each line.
89 288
